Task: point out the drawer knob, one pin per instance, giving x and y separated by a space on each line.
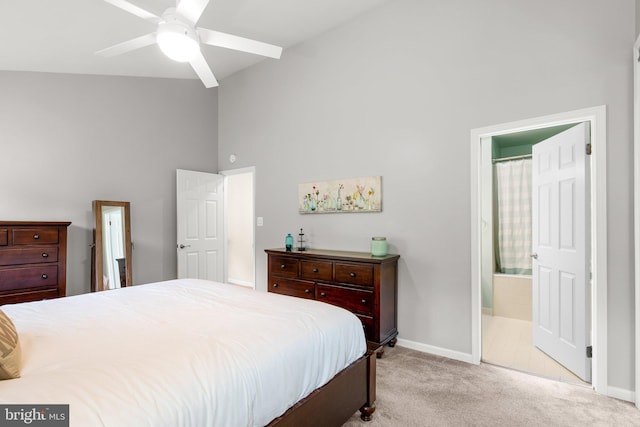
45 255
283 266
352 274
275 285
45 276
364 301
315 270
322 294
36 236
306 291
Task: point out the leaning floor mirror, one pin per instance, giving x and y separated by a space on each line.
111 248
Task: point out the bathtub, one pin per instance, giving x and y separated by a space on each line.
512 296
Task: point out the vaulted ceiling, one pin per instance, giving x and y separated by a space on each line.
62 36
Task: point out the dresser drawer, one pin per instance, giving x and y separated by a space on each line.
316 270
28 277
357 274
28 295
35 236
294 288
367 325
29 255
283 266
355 300
4 236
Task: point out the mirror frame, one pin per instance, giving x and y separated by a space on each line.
97 270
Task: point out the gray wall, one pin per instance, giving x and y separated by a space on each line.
67 140
395 93
637 17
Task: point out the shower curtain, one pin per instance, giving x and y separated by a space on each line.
513 202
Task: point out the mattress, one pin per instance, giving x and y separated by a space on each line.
178 353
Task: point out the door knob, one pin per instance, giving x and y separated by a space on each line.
184 246
534 256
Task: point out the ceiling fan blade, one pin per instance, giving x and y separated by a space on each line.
200 66
216 38
192 9
135 10
129 45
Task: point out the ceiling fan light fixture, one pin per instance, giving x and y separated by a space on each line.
178 42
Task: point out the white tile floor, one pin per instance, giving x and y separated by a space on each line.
508 342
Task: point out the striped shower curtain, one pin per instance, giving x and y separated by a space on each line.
513 200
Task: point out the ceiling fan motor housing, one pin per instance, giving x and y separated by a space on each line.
177 39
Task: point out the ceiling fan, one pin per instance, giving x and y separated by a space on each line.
179 38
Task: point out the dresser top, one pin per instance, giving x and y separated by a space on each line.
34 223
331 254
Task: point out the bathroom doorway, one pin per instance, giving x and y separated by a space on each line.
508 293
503 323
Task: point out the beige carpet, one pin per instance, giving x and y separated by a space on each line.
418 389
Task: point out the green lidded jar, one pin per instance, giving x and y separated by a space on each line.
378 246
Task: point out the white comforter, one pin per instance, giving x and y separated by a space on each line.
178 353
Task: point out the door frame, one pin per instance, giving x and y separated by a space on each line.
598 193
636 206
226 173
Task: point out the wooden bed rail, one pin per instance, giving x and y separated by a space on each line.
352 389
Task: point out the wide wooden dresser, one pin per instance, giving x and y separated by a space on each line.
33 260
364 284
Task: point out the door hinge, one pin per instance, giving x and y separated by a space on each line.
588 149
589 352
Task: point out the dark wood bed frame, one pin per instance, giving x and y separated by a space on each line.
352 389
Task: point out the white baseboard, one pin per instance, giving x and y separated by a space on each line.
438 351
622 394
615 392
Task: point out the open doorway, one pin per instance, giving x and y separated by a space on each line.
596 118
239 215
516 318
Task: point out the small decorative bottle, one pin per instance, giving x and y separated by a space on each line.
288 242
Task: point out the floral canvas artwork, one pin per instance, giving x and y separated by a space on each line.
341 195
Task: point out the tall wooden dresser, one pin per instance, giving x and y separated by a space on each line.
357 281
33 260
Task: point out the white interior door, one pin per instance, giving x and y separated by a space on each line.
561 249
200 241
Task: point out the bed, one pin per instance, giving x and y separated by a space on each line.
192 353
